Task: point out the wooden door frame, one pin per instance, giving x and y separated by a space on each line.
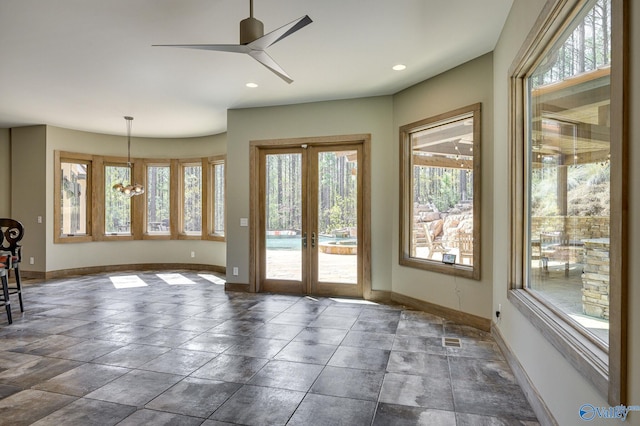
254 199
316 286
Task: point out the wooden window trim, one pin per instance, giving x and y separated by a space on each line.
406 198
133 218
59 158
605 369
143 229
182 235
96 194
210 201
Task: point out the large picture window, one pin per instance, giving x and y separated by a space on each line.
566 210
440 182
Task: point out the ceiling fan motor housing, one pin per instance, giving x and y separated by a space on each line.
251 29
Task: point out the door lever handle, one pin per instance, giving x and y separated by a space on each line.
313 240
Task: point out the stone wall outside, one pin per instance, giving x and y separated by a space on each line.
575 227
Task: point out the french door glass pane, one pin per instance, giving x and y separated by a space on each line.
569 169
283 211
192 199
117 206
158 211
338 216
73 198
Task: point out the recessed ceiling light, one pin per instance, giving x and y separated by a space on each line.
399 67
252 85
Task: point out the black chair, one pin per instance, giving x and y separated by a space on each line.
4 298
11 232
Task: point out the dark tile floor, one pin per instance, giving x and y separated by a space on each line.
88 353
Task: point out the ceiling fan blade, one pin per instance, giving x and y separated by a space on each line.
266 60
234 48
282 32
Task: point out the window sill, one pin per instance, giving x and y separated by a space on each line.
457 270
581 352
64 239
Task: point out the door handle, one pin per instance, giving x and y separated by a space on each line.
304 240
313 240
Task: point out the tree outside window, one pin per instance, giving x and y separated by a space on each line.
74 197
158 198
192 198
218 197
117 208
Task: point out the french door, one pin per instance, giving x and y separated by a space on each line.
309 219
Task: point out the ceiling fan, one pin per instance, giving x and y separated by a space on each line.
253 41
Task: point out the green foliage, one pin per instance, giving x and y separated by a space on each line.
192 208
337 192
588 189
585 47
157 192
340 215
544 191
448 196
442 187
117 208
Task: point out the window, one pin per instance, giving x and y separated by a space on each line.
117 208
192 198
158 199
73 189
567 219
183 198
217 197
440 193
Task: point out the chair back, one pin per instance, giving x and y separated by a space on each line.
550 240
11 232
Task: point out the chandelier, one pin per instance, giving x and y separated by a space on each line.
129 190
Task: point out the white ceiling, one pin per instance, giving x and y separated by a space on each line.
84 64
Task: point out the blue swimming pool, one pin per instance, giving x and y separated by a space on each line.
294 242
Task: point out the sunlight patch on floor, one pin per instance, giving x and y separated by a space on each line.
175 279
127 281
212 278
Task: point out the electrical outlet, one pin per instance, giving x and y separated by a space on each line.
39 219
193 254
235 271
31 261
